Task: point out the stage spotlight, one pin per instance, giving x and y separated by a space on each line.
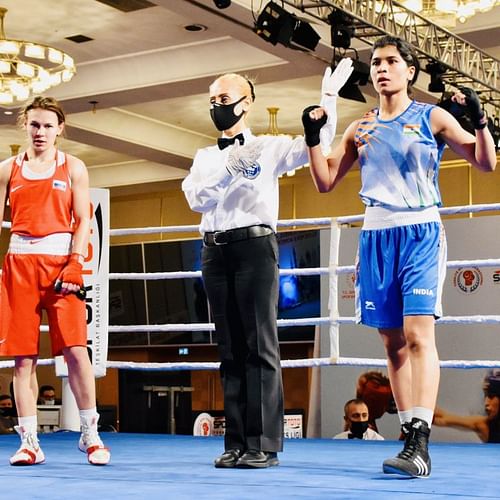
494 126
341 29
276 25
222 4
436 70
359 77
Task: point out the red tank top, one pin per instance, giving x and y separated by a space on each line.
40 207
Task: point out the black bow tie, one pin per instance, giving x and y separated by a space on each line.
224 142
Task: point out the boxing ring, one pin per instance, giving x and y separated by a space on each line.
334 320
166 466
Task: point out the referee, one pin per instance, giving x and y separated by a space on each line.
235 187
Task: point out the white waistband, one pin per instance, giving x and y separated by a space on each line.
383 218
53 244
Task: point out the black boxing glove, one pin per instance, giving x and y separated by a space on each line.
473 108
312 127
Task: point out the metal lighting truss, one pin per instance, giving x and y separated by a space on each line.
465 63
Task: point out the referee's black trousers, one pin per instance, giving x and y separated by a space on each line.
241 280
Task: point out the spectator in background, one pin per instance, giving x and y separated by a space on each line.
374 388
5 401
7 414
487 427
356 422
47 395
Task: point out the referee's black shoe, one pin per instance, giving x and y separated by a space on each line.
256 459
414 460
228 459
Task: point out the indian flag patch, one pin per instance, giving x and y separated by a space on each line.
57 184
411 129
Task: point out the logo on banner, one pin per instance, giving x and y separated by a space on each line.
203 425
496 277
468 280
292 426
347 286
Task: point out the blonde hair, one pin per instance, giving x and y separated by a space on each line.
245 84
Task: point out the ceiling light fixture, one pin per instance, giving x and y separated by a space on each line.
276 25
222 4
28 68
341 29
195 27
436 70
359 77
494 126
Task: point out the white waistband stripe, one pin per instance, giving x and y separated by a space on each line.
53 244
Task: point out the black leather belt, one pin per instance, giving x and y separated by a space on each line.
239 234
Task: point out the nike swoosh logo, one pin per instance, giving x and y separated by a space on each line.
15 188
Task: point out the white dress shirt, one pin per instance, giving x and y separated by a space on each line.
228 202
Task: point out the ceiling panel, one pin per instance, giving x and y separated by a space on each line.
150 79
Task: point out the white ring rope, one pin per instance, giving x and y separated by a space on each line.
322 221
333 321
288 363
303 271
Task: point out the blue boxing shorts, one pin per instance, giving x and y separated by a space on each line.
400 268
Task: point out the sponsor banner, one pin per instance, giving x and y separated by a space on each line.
292 426
347 284
208 425
95 278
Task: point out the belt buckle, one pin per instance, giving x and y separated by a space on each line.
218 243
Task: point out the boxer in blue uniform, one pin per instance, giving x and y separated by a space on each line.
402 249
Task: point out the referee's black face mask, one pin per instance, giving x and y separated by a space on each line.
223 115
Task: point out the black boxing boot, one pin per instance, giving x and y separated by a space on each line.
414 460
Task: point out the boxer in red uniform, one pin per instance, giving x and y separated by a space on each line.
48 192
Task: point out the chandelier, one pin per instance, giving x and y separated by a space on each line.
272 129
28 68
446 12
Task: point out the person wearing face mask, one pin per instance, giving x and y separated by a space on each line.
8 417
234 185
356 425
47 395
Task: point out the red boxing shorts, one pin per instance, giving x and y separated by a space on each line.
27 287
